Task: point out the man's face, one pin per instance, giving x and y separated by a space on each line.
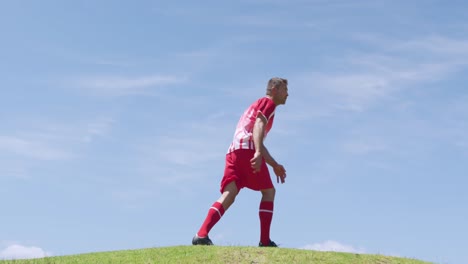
281 94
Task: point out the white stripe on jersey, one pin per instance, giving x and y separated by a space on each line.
243 135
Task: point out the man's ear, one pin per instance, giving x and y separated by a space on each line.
274 90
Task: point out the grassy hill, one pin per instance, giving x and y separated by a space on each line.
217 254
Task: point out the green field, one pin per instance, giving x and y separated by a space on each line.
219 254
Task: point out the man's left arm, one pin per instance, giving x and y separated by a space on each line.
268 158
279 170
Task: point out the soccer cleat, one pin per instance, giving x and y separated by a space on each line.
206 241
271 244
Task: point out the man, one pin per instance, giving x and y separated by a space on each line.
246 164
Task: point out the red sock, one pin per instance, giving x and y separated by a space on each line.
266 215
214 214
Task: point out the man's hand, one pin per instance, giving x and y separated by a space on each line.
256 162
280 172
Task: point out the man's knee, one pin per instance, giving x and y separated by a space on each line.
229 195
268 194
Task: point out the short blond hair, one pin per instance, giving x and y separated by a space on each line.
275 82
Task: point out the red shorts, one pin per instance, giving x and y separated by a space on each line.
239 169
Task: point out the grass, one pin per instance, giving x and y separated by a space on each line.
217 254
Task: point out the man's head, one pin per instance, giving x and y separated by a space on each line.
277 90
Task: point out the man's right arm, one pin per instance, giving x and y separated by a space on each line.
259 132
257 136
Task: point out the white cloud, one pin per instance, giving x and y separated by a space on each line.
98 128
437 45
327 93
373 77
45 141
188 153
13 169
184 151
353 91
134 198
196 55
199 141
264 22
362 147
22 252
356 3
32 148
451 125
68 133
331 245
123 86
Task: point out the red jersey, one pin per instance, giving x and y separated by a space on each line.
243 136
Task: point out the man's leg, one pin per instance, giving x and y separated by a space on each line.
266 215
229 195
218 208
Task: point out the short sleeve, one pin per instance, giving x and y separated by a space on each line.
266 107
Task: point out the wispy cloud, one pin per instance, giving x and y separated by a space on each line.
311 2
196 55
181 156
16 251
184 151
124 86
76 132
11 168
331 245
32 148
46 141
436 44
134 198
369 78
352 91
262 22
97 128
451 126
363 147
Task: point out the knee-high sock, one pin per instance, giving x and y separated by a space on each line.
266 215
215 213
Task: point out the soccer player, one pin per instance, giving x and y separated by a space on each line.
246 164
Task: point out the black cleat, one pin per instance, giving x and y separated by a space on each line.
271 244
206 241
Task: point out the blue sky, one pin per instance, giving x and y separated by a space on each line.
116 118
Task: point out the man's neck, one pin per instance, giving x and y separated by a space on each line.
271 97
